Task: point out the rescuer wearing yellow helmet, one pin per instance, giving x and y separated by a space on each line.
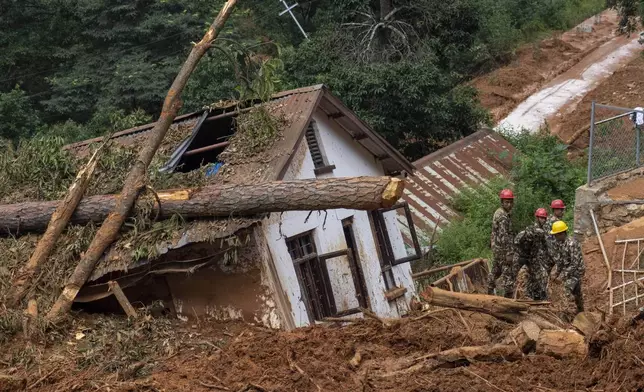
569 261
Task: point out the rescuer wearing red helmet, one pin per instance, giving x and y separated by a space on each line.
501 241
558 208
531 251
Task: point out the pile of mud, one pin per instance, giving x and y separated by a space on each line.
159 355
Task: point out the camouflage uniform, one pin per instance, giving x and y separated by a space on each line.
531 250
570 265
551 242
502 248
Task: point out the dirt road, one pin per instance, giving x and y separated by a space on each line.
570 87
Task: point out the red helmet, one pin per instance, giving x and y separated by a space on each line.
506 194
541 213
558 204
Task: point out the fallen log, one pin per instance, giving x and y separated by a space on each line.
483 303
55 227
360 193
562 344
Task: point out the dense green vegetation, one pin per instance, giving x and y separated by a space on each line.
540 174
76 68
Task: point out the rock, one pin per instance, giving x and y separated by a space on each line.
607 209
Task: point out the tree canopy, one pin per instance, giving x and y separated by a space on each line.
76 68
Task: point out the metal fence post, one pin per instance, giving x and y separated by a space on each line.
637 152
590 143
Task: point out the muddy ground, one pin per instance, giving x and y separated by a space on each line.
168 356
534 65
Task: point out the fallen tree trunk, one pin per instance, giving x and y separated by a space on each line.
57 223
505 309
360 193
136 178
483 303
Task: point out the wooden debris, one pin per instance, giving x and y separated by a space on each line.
356 360
483 303
468 354
115 288
136 178
562 344
525 336
587 323
30 315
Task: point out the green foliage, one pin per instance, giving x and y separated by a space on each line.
541 173
37 169
397 63
18 116
630 12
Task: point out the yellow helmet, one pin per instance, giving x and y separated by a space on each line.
559 227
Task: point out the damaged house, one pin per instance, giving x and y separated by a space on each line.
282 270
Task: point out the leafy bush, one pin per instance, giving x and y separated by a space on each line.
541 172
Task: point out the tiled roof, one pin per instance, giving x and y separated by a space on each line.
471 161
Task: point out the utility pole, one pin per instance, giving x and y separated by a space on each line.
288 9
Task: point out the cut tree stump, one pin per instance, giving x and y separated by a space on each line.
562 344
359 193
587 323
525 336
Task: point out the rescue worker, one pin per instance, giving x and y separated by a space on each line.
531 251
501 241
570 263
558 208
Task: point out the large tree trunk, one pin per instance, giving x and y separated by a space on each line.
136 177
57 222
483 303
359 193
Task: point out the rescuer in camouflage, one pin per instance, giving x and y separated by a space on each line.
531 251
570 263
558 208
501 241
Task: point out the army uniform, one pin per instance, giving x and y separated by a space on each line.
570 266
502 248
531 250
551 243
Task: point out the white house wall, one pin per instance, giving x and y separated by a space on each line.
350 159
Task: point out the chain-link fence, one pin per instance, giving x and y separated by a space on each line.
615 144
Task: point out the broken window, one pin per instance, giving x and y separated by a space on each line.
317 153
312 275
389 256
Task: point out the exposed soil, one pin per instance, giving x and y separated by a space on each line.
625 88
239 357
535 65
594 284
631 190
